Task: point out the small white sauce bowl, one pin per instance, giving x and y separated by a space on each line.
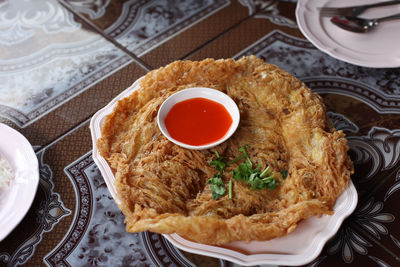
196 92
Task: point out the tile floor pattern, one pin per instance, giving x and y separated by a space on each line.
60 61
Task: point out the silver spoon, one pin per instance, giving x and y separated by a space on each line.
360 25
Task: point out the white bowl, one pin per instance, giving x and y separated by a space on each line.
202 92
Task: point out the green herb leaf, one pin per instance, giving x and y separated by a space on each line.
270 182
265 172
217 191
284 174
243 156
243 149
216 179
218 163
242 173
253 176
217 186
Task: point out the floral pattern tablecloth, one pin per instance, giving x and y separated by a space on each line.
61 61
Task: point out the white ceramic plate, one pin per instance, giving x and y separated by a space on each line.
16 199
378 48
298 248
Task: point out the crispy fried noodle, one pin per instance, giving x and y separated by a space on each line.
163 187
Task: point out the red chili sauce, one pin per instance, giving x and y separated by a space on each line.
198 121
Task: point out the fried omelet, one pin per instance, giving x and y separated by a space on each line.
163 187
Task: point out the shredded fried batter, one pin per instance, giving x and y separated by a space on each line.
163 186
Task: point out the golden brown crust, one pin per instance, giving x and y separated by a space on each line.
163 187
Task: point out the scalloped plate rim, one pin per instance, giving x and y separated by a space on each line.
235 256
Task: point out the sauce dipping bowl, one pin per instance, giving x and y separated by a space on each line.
199 92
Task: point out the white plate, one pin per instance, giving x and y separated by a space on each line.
378 48
298 248
16 199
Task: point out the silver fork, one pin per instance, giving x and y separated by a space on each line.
360 25
352 10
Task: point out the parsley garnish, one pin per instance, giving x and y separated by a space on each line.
253 176
217 186
245 172
218 163
244 155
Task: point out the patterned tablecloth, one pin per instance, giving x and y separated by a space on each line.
61 61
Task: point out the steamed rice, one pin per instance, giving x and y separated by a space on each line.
6 173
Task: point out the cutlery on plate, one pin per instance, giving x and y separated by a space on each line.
360 25
352 10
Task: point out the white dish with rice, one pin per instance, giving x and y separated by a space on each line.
19 178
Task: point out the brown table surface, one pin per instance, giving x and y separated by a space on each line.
61 61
